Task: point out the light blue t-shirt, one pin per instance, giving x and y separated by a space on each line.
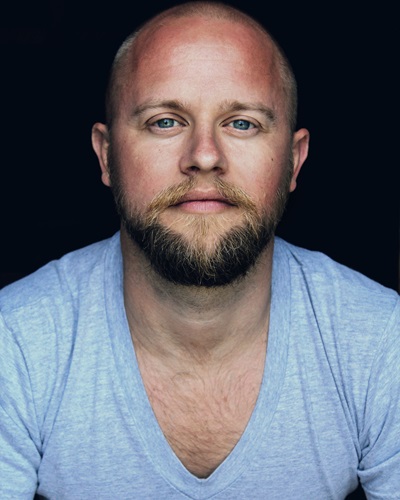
76 423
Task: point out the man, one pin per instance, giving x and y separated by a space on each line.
194 355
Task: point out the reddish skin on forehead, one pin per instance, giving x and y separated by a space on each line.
198 40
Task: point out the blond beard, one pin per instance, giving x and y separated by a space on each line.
201 250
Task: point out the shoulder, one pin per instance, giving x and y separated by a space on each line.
347 328
40 320
351 321
328 281
353 316
44 307
59 280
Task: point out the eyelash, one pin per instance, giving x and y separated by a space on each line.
175 123
250 124
156 122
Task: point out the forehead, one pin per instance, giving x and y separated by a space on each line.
201 56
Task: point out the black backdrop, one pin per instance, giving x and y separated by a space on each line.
55 58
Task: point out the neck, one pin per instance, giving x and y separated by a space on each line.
181 325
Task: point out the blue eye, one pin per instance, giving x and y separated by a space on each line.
165 123
242 124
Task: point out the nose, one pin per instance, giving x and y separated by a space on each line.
203 152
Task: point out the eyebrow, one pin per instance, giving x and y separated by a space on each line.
170 104
270 114
226 107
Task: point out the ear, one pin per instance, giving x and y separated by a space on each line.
300 143
101 143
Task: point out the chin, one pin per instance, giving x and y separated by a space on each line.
207 229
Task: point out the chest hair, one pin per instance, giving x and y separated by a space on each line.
203 418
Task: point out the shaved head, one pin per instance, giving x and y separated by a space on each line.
133 47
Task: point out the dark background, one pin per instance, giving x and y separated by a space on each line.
55 58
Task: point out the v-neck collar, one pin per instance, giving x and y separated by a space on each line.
153 440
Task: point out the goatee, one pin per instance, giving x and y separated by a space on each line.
193 262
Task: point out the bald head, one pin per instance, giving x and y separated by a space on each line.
134 47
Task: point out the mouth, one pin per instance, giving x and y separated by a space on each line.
204 196
203 202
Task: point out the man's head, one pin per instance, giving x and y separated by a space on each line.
199 148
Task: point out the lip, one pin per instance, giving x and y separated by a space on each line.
203 196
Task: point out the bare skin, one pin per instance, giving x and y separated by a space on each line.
201 356
201 351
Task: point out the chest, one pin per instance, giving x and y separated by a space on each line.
299 431
203 419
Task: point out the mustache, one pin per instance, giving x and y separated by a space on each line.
175 193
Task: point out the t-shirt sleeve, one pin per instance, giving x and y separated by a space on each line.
19 434
379 469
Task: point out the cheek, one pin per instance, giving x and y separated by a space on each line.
267 192
263 177
274 167
143 174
